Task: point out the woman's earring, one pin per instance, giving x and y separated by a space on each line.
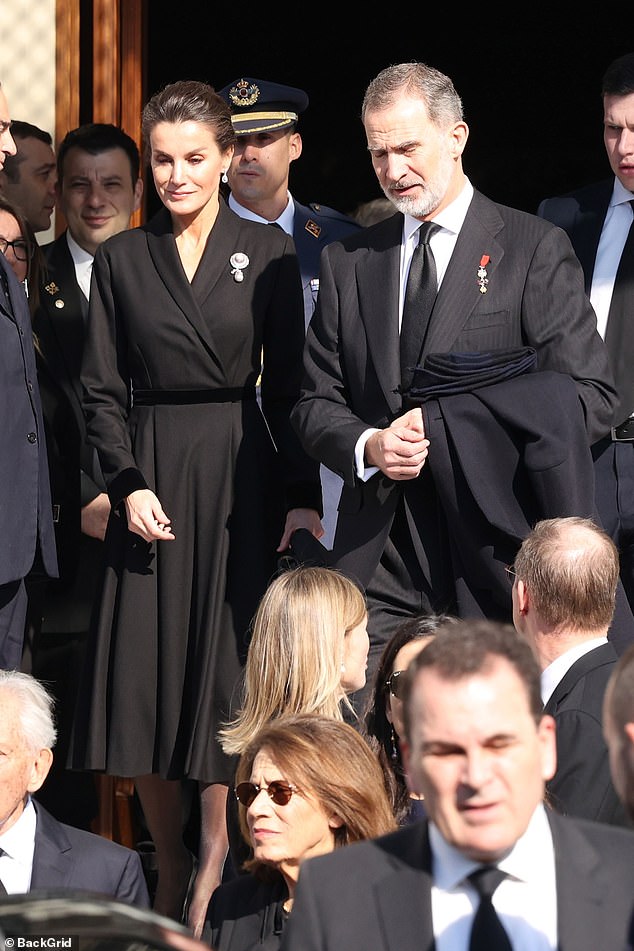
223 178
394 750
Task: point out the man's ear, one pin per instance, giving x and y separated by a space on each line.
294 146
40 766
138 194
523 597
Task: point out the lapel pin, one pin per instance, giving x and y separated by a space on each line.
52 288
312 228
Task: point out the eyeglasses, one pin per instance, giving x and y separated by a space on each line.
395 683
280 792
21 249
511 574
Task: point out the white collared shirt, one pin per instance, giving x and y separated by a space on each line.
83 264
556 671
18 844
611 243
526 901
285 220
442 245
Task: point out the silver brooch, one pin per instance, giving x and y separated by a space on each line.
238 261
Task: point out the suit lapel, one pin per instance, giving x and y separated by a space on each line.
459 292
52 863
377 281
59 321
580 884
588 227
605 654
403 897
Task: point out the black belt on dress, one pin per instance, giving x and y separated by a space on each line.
624 432
227 394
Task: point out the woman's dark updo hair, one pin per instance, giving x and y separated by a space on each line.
189 101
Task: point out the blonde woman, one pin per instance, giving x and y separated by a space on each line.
308 650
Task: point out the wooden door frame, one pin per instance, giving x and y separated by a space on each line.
118 54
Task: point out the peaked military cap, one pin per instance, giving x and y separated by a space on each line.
260 106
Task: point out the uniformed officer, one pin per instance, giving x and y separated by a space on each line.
265 117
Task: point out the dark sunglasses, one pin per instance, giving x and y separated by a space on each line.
279 792
21 249
395 683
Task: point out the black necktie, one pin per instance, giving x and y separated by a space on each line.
487 932
420 294
619 335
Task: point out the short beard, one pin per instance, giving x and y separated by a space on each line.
430 196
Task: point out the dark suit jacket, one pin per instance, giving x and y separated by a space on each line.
26 518
377 894
534 298
246 913
582 786
66 857
582 214
60 325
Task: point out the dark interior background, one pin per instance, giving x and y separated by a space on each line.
529 79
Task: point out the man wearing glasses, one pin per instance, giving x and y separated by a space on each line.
26 518
564 585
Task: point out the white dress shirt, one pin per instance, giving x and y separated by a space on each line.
285 220
611 243
442 244
18 846
555 672
526 901
83 264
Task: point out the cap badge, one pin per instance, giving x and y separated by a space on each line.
312 228
244 93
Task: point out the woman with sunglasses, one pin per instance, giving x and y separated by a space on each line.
305 786
308 651
383 720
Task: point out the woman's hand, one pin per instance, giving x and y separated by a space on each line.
300 518
146 516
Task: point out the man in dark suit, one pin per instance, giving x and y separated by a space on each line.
599 219
37 851
26 517
618 728
495 279
99 189
492 864
265 119
565 578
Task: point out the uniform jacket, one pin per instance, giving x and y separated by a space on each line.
314 227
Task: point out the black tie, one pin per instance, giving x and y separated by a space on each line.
420 294
487 932
619 336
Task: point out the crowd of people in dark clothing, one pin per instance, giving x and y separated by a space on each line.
318 531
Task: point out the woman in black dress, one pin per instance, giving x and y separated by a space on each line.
187 313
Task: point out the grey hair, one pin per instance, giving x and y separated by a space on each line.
34 707
444 105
